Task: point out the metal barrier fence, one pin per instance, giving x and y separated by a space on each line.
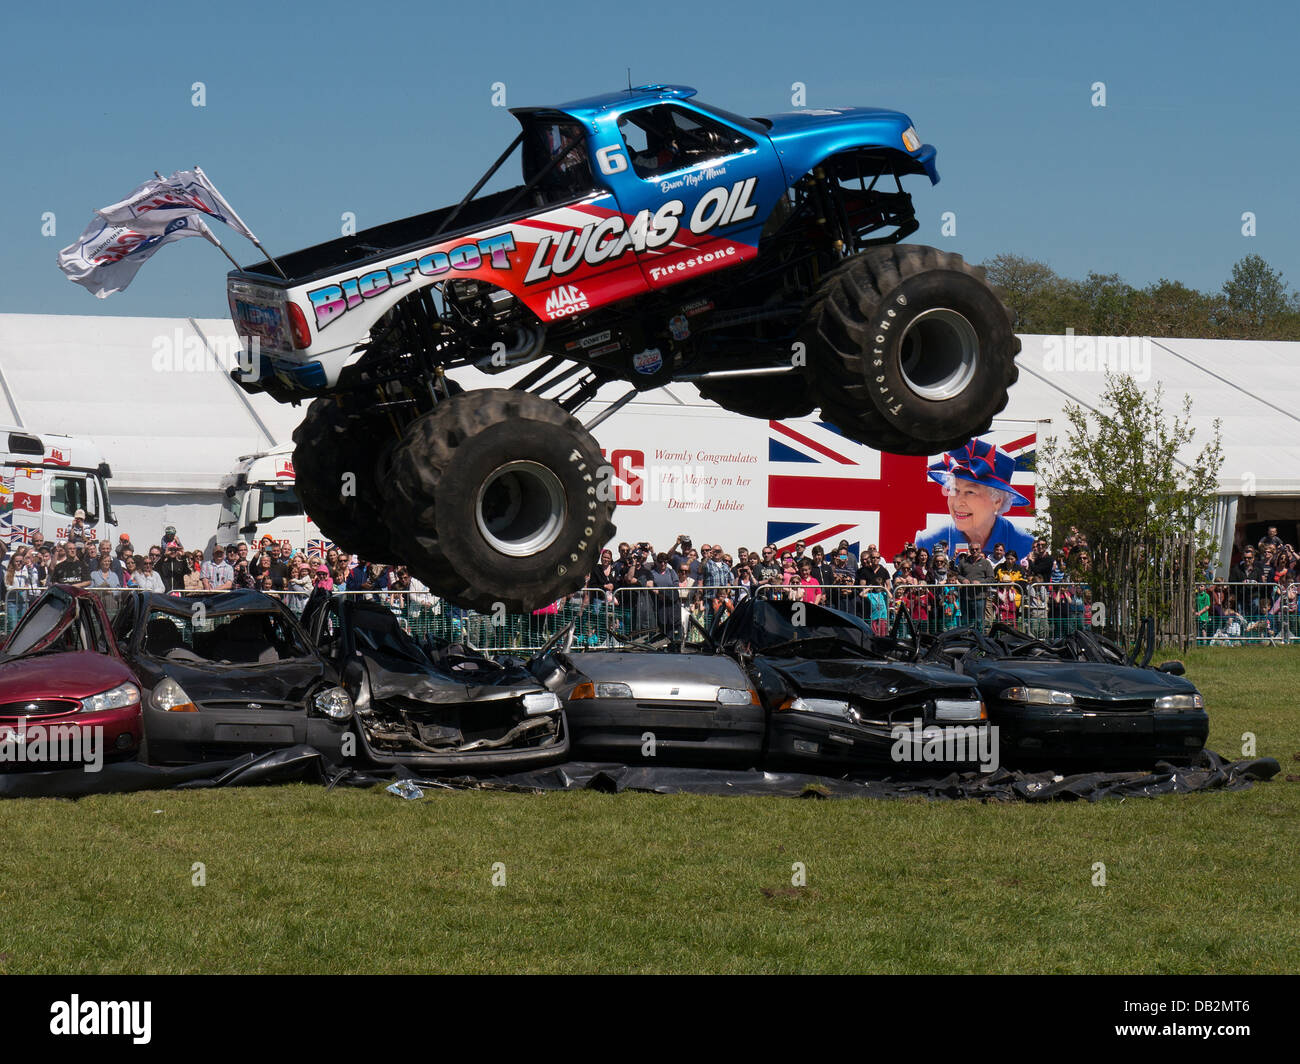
602 620
1227 614
1233 614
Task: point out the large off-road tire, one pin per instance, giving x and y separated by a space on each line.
328 445
498 496
911 350
773 398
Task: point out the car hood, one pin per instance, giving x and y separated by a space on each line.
1097 681
71 674
395 678
667 675
280 681
873 681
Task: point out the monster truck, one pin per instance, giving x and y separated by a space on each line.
653 239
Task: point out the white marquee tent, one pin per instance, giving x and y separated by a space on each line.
155 395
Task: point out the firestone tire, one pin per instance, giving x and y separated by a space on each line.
328 445
911 349
499 496
774 398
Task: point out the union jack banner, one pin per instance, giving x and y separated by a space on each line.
823 487
319 546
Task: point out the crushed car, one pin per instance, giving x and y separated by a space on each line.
66 692
840 697
1078 699
438 708
227 674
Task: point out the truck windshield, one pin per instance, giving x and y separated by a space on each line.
277 500
68 494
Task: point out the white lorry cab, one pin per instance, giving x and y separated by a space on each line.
45 479
259 500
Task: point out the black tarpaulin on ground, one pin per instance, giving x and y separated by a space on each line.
307 765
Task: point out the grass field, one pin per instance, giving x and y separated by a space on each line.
303 880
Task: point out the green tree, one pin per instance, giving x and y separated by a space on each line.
1119 478
1256 296
1040 300
1106 301
1170 308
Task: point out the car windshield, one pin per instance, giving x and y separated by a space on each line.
249 637
377 630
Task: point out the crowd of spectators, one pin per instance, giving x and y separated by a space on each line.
1259 597
936 593
168 567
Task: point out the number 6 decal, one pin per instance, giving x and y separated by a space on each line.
612 161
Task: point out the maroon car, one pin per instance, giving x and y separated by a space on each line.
66 695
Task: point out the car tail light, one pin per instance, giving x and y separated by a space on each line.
298 325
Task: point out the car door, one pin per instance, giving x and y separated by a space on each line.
707 184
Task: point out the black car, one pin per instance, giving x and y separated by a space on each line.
1079 700
438 708
839 697
227 674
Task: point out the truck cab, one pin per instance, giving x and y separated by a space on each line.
259 499
46 479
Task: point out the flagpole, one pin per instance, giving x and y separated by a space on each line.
250 234
212 238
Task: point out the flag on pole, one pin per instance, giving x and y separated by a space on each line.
185 192
107 255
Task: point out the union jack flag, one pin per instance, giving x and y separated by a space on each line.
21 533
319 546
823 487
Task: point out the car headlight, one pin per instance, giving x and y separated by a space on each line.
736 696
613 690
910 140
1038 696
958 709
827 706
1191 701
119 697
170 697
333 702
543 702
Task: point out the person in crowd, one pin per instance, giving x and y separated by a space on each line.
800 552
789 574
367 576
951 605
21 583
299 585
604 578
717 573
279 565
243 578
977 572
807 587
67 567
193 580
843 547
921 570
146 578
1010 569
217 575
173 566
1249 571
667 606
744 583
1039 562
768 570
77 531
1232 624
679 553
322 579
976 479
128 570
873 570
940 571
877 597
1270 538
103 576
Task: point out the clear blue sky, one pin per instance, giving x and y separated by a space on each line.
385 110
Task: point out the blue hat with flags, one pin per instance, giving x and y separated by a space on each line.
981 463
